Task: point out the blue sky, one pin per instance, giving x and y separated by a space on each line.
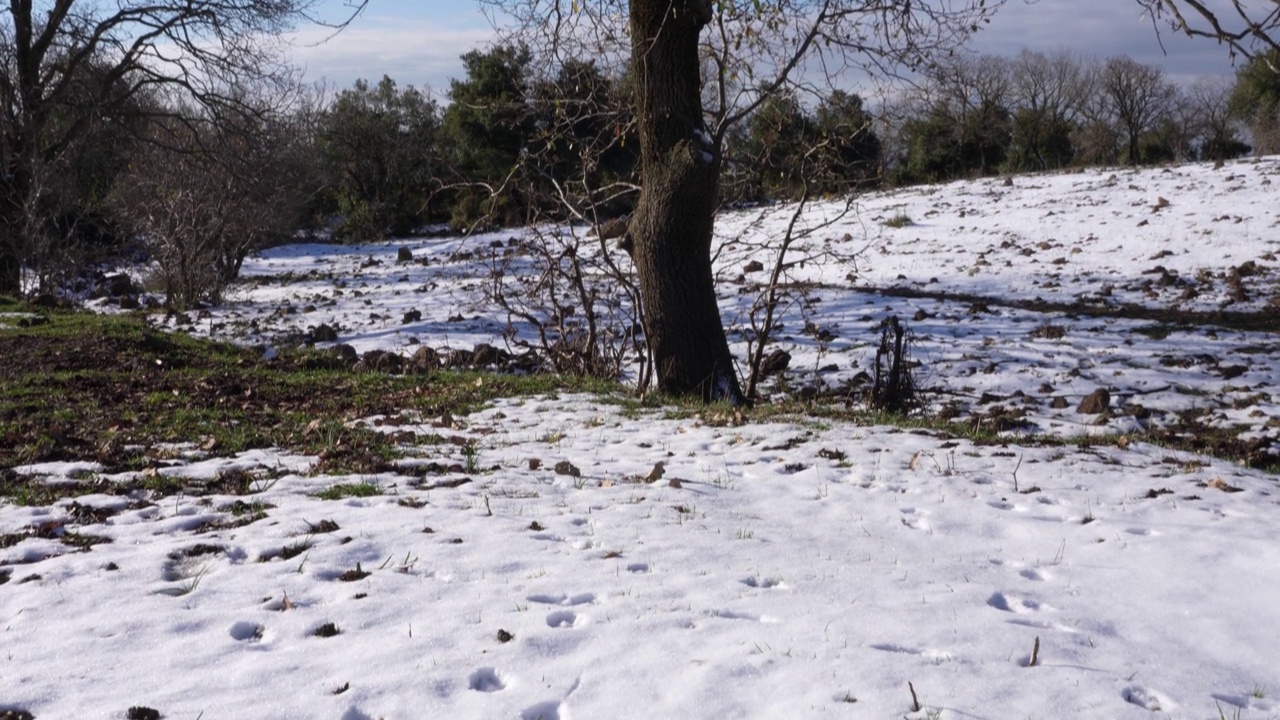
419 41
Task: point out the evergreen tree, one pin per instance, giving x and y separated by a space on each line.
486 128
379 145
1255 100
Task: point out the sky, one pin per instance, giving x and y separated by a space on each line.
419 42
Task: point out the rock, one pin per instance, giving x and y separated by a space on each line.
424 360
753 266
1231 372
380 361
524 362
1095 403
564 467
404 255
1059 403
412 316
485 355
129 302
460 358
120 284
344 354
659 468
774 363
322 333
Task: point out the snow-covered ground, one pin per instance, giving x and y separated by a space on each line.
811 568
1186 239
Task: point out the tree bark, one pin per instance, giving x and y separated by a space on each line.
673 221
10 277
15 226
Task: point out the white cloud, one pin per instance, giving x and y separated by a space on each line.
418 52
1101 28
425 52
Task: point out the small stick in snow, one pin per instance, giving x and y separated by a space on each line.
915 701
1035 653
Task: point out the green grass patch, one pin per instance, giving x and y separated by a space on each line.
111 389
900 220
350 490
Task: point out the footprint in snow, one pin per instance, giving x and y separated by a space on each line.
1037 575
486 680
549 710
1148 699
895 648
914 519
735 615
565 619
246 631
1014 604
566 600
937 657
638 568
764 583
1247 702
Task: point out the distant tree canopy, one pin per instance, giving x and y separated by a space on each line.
381 153
78 78
1255 100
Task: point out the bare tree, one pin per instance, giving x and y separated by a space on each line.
204 200
975 91
1137 96
1245 26
197 49
1210 101
696 70
1048 91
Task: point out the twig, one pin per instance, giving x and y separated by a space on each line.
1035 653
915 701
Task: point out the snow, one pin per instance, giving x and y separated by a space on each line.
769 569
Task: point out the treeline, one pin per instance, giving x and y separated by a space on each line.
508 149
980 115
517 144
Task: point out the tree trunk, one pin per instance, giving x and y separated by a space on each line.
13 229
672 224
10 272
